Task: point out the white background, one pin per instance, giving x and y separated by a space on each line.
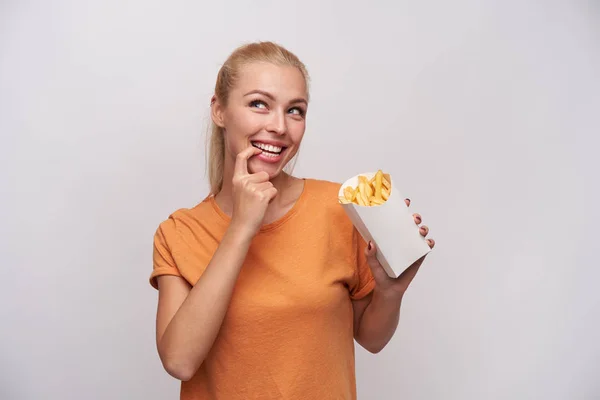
488 113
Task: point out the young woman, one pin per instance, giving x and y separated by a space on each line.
265 284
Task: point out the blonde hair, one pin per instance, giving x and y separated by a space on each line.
226 79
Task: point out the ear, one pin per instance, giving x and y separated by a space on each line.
216 112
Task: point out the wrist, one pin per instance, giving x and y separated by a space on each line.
238 234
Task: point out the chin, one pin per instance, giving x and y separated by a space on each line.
255 166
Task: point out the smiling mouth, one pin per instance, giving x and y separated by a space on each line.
268 148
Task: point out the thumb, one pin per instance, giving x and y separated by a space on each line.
371 255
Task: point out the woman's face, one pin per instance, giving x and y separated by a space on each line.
266 109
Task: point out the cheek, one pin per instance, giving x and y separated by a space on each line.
238 131
244 119
296 132
234 141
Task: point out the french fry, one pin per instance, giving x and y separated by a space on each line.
376 201
359 200
363 192
386 181
349 194
378 183
368 190
374 191
385 194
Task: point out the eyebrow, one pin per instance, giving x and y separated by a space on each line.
270 96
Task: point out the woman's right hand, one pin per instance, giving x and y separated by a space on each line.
252 194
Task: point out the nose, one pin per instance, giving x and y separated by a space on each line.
277 123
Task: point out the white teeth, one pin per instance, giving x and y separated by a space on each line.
267 147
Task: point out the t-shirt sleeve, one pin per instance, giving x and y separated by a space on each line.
364 281
162 258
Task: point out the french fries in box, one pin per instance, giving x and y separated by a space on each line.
379 213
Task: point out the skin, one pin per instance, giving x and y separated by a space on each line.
268 103
376 316
277 114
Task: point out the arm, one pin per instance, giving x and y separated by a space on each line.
376 316
189 318
375 320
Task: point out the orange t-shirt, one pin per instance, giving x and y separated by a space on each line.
288 332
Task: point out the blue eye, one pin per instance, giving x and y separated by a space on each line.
258 104
298 111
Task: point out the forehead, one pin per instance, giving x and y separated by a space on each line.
281 81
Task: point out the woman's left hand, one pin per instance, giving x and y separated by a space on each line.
396 286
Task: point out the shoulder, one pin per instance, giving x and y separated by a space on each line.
324 190
185 221
324 196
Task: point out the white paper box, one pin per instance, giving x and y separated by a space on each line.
390 226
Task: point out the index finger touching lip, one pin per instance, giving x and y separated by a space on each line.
241 162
